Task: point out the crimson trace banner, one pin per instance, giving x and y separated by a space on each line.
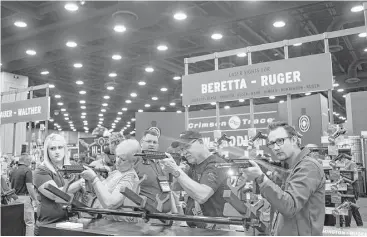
288 76
37 109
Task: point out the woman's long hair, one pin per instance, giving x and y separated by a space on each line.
46 159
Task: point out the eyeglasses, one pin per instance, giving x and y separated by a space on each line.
151 142
189 144
279 142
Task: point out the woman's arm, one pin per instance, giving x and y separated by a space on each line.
115 199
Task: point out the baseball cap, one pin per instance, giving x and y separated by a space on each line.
186 137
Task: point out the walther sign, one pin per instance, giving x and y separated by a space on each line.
289 76
25 110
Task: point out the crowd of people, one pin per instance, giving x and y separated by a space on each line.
298 204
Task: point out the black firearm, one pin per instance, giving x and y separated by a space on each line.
237 164
157 155
224 137
259 135
76 169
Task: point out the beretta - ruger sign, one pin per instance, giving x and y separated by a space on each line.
289 76
25 110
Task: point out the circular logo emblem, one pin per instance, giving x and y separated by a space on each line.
155 129
234 122
101 141
304 123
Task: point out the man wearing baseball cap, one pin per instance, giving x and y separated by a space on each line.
204 183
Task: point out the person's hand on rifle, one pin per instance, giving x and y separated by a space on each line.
252 172
169 164
88 174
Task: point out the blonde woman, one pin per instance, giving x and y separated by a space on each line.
55 156
108 190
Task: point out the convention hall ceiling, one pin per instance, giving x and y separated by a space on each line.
81 46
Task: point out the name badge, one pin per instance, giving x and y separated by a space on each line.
164 184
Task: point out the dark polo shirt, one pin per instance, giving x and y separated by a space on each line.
19 178
150 187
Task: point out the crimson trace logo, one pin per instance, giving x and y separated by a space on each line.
304 123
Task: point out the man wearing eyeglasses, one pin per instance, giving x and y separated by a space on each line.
300 203
204 183
156 178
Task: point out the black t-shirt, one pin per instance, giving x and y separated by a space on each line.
19 178
206 173
49 211
150 187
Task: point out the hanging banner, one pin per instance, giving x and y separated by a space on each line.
289 76
25 110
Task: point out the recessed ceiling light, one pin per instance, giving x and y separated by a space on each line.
100 122
217 36
52 86
162 47
147 105
82 92
140 111
282 101
335 84
154 98
112 74
344 96
241 100
84 113
124 109
78 65
51 120
180 16
362 35
66 118
119 28
213 103
63 110
83 107
365 49
142 83
297 44
308 93
163 89
71 44
181 94
272 97
110 88
31 52
279 24
45 72
82 101
357 8
162 108
100 115
106 97
104 104
113 124
149 69
227 107
60 103
116 57
71 7
179 111
57 96
133 94
340 90
101 119
79 82
241 55
66 114
133 119
20 24
176 78
172 104
128 101
119 112
128 122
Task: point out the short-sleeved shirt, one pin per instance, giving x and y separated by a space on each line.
150 187
49 211
19 178
206 173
